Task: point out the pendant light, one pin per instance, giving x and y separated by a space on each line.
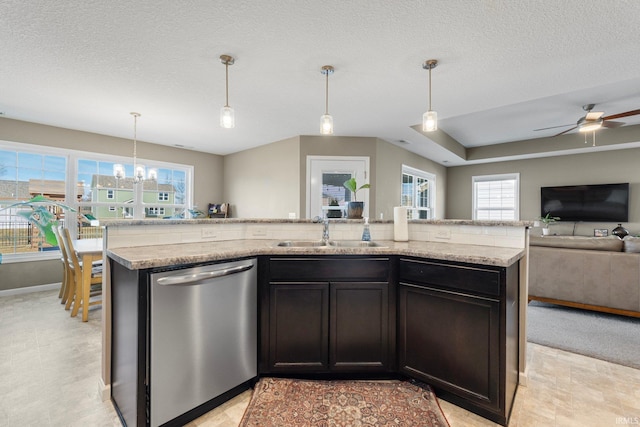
326 121
227 115
138 170
430 118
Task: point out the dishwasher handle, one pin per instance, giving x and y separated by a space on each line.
192 279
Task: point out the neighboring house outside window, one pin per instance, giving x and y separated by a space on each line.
418 193
85 182
496 197
155 211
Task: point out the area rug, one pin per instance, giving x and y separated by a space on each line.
602 336
296 403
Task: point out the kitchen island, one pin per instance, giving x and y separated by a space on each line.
398 299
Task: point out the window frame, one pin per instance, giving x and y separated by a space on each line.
515 176
72 156
412 211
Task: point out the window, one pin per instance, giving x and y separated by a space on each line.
496 197
85 182
418 193
155 211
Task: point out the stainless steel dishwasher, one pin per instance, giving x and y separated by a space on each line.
202 337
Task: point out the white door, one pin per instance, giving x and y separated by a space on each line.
325 175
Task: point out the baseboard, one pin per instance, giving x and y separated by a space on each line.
30 289
523 379
583 306
104 391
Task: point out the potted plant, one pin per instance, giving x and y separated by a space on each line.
546 220
354 208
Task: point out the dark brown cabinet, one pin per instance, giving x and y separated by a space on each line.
458 331
327 315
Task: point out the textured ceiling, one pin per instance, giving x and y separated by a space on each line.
505 68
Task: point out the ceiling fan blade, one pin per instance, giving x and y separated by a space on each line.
611 124
621 115
595 115
553 127
563 132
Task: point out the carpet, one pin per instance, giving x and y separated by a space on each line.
602 336
295 403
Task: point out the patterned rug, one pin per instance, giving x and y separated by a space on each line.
296 403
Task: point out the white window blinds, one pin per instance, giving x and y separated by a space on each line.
496 197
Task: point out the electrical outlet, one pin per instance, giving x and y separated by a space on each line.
259 232
209 233
444 233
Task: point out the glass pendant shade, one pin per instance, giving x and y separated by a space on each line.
153 174
227 117
118 171
430 121
139 173
326 124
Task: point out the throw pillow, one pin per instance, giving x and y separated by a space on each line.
631 244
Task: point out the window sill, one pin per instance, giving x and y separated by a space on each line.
29 257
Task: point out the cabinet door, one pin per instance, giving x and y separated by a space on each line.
450 340
298 327
359 326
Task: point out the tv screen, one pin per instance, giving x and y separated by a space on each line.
595 203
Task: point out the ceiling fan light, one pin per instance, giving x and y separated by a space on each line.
430 121
326 124
590 126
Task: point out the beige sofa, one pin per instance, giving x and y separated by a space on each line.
595 273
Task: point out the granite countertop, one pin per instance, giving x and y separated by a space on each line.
135 222
142 257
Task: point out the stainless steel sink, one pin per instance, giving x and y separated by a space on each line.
330 244
355 244
302 244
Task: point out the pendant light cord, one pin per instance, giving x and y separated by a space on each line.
135 139
226 67
326 97
430 88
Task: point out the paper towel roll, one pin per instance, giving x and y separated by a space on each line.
400 227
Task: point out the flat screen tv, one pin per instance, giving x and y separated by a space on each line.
595 203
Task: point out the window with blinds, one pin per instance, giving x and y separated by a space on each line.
496 197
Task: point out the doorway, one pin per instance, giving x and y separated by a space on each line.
325 192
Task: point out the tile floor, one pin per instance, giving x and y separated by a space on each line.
50 367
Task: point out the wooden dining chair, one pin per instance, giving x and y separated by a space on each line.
67 279
82 292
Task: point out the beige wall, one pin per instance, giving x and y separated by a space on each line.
260 182
263 182
338 146
589 168
390 159
207 182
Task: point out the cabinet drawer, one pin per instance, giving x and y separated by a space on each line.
466 278
328 269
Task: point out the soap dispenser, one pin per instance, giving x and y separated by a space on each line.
366 234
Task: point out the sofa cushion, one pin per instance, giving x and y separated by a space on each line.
610 243
631 244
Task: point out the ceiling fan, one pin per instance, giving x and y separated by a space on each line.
593 120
